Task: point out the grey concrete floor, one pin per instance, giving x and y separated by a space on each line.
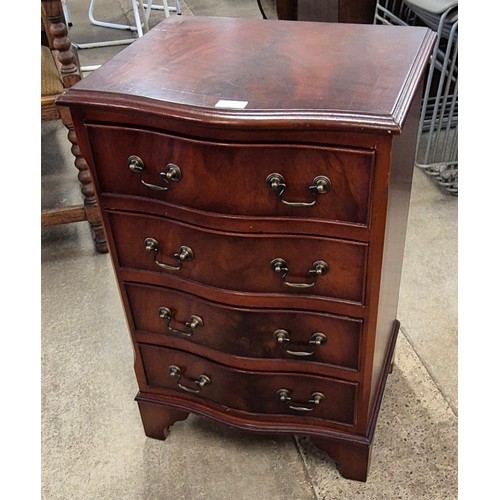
93 445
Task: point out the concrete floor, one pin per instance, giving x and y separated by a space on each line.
93 445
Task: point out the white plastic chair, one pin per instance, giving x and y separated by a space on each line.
138 6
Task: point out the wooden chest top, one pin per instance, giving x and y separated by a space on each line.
322 74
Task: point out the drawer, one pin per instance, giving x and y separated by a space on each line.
251 333
233 178
316 266
253 392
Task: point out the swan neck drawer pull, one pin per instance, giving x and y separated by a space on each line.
191 324
314 401
320 185
319 268
185 254
172 173
202 381
283 338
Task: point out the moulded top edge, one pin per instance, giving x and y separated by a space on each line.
242 71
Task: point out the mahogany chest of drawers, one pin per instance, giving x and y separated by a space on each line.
254 181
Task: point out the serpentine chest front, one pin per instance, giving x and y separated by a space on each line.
254 180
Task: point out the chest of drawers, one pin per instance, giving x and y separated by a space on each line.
254 180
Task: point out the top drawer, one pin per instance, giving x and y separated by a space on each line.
317 182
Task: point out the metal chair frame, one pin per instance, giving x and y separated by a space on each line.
438 128
141 26
437 141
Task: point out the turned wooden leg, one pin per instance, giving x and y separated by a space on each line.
87 186
157 418
353 459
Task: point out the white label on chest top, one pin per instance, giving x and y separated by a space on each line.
224 103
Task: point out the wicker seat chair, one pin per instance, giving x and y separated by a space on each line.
60 69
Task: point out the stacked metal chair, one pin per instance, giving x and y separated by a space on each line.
437 148
394 12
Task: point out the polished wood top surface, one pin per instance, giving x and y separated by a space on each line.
349 74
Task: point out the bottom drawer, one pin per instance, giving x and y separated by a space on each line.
254 392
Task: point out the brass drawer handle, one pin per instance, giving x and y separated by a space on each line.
317 339
320 185
192 323
184 254
314 401
171 174
202 381
319 268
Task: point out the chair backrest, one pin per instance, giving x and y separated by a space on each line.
56 38
60 70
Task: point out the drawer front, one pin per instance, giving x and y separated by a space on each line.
232 179
243 262
252 333
254 392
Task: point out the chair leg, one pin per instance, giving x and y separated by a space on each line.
166 8
87 186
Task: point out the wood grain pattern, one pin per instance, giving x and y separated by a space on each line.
310 112
253 392
224 260
243 169
246 332
342 11
303 69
